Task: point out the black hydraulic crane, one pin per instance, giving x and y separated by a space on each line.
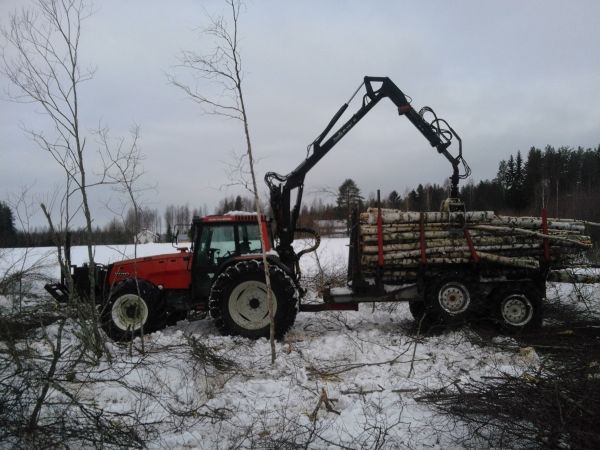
437 131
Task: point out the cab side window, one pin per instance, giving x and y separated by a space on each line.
249 238
216 243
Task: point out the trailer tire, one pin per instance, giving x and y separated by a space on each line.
416 309
238 300
133 306
425 318
518 309
451 298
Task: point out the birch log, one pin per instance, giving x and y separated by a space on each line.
515 242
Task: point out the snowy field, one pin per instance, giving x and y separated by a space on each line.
371 364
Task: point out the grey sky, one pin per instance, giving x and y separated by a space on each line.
506 75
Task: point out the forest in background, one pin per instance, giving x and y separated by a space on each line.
564 180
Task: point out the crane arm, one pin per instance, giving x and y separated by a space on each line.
437 132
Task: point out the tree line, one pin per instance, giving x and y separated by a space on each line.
119 230
564 180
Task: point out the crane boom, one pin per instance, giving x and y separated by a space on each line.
437 131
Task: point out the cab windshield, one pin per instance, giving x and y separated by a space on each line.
221 241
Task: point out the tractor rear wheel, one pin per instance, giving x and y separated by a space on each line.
238 300
134 306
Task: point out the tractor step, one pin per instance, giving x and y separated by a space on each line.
58 291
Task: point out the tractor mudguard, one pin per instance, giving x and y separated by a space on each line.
273 260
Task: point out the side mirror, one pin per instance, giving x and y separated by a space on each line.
176 231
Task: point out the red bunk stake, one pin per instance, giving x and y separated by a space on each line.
474 254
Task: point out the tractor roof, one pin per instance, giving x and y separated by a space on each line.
235 216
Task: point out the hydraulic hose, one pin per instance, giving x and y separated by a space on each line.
317 238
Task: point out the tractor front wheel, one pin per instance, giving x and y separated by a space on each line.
132 308
239 304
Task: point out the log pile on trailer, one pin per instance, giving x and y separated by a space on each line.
399 242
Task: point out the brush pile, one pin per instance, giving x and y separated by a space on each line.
412 239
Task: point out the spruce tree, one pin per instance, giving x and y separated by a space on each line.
7 225
348 198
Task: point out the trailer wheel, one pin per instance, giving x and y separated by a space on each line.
518 309
451 298
417 309
238 300
132 307
425 317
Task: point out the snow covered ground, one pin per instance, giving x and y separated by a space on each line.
370 363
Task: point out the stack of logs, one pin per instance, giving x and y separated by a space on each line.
411 240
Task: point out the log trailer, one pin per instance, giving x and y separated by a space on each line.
222 273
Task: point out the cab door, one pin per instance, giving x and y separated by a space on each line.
214 243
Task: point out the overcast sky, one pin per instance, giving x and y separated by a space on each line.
507 75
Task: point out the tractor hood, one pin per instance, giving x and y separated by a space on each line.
170 271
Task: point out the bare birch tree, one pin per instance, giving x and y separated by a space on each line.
41 59
124 161
223 67
125 171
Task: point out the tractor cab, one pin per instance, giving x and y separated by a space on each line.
218 241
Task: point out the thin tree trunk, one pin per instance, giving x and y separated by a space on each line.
259 212
226 70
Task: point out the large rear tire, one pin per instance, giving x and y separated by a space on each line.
134 306
238 300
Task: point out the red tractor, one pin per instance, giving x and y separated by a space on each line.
222 273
